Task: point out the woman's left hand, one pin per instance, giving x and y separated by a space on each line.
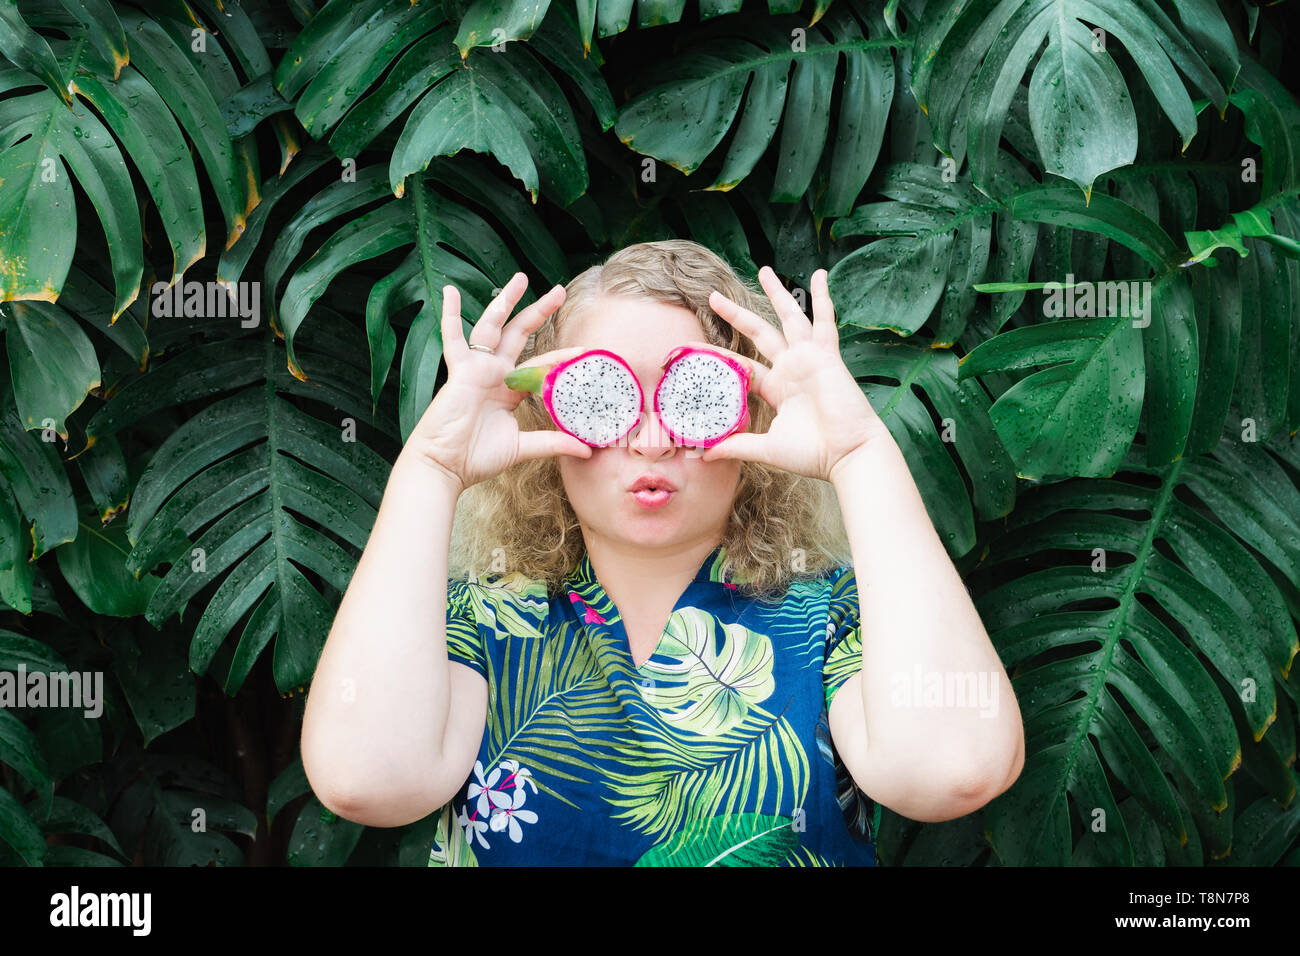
822 415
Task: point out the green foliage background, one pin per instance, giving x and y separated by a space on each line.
183 499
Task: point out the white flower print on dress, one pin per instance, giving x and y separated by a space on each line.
497 802
473 828
485 790
510 817
521 775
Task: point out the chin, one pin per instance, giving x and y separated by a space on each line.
651 533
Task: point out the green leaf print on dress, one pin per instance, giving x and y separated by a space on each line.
449 845
513 604
702 688
749 839
699 756
718 752
690 780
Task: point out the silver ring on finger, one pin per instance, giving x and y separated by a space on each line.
483 348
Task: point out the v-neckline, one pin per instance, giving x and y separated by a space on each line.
582 581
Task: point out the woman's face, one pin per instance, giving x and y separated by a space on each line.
642 332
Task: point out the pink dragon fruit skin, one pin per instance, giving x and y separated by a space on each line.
702 396
595 396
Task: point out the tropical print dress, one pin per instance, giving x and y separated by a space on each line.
716 751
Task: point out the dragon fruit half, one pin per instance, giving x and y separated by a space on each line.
702 397
594 397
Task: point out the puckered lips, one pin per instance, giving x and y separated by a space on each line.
652 491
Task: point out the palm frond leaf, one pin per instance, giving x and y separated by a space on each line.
1117 662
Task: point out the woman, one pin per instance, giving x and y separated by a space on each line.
611 678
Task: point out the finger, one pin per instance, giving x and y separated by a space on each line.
742 446
794 322
545 444
554 356
487 330
825 331
528 321
453 337
758 372
514 398
768 340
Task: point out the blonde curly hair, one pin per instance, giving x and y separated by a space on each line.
782 526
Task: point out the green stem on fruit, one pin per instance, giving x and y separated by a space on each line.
530 378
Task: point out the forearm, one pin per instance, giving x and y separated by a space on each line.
380 698
937 704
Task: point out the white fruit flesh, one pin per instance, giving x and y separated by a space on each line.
701 397
596 399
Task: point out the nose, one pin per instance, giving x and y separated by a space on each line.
649 438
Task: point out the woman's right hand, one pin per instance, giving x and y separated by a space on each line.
469 429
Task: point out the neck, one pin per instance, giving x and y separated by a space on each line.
639 577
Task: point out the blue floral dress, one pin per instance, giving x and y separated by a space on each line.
716 751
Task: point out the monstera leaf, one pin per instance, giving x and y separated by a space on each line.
1208 337
52 361
936 235
26 830
1266 831
320 838
44 745
16 574
1092 388
34 479
504 104
158 798
19 831
42 142
488 22
261 477
1211 335
1133 662
970 57
430 226
494 21
20 751
965 428
69 817
139 112
693 100
156 680
1103 367
241 109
